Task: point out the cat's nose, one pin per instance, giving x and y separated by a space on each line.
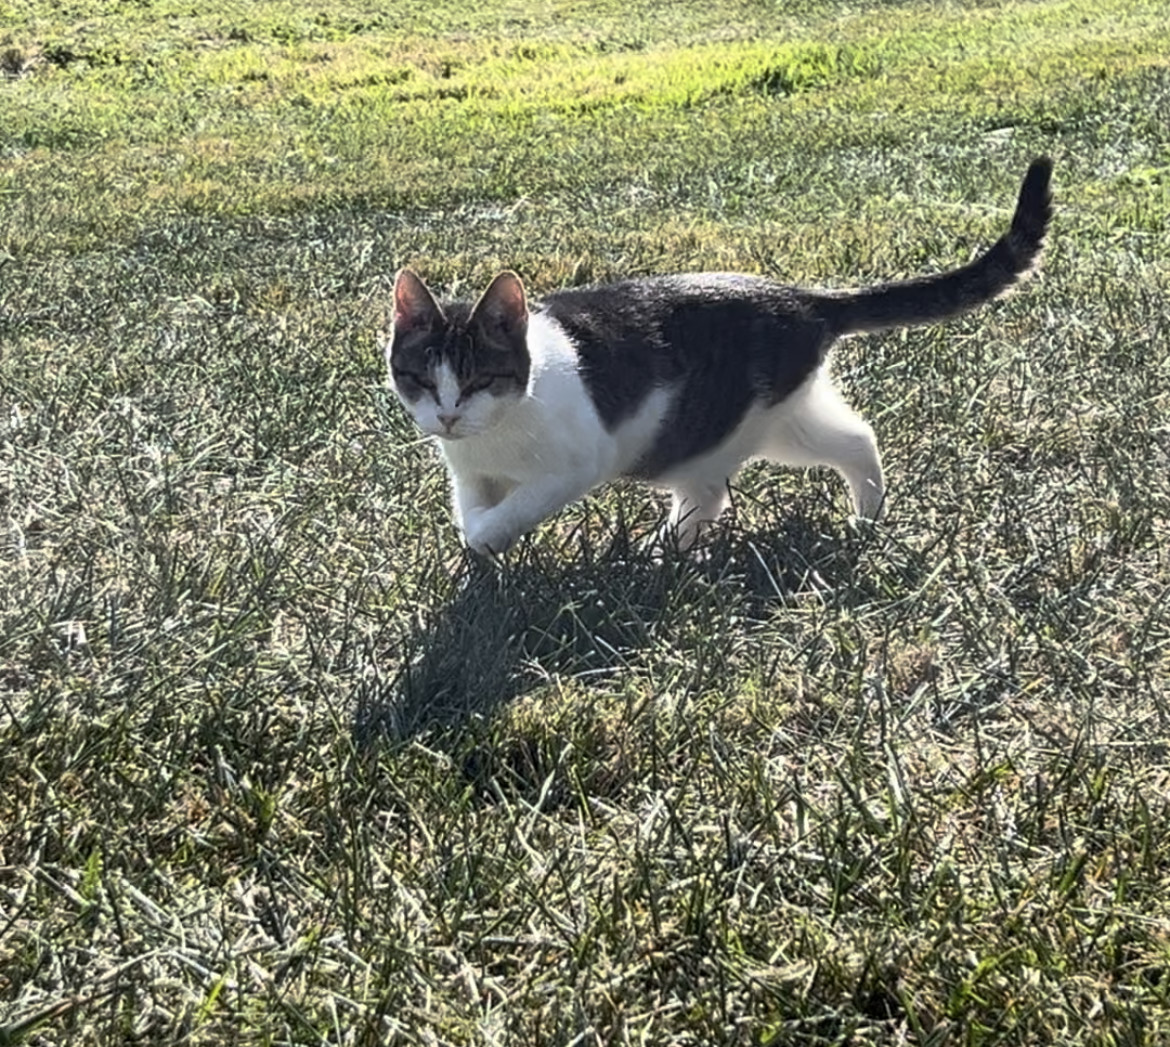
447 420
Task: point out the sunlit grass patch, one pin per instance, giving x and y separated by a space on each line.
367 111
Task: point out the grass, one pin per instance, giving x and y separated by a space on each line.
279 763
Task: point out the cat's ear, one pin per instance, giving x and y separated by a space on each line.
414 306
503 305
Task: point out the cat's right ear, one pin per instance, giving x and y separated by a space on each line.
415 307
503 306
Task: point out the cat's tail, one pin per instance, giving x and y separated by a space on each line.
929 299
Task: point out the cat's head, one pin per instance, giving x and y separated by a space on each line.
459 368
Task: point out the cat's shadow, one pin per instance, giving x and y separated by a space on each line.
547 612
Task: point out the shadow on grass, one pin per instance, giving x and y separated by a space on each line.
550 612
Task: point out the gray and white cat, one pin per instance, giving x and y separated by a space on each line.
677 380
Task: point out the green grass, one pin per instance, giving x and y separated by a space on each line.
279 763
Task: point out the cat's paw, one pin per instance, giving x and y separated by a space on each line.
862 526
486 534
673 541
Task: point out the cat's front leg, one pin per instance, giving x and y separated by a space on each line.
495 530
475 494
486 535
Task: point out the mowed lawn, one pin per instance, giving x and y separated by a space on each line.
281 764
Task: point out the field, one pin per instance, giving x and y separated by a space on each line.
280 763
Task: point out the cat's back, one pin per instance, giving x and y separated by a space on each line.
725 336
631 307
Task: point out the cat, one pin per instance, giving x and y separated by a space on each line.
676 380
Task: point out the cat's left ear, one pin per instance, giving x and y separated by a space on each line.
503 305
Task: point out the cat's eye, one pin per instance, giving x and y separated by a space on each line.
479 384
412 379
484 381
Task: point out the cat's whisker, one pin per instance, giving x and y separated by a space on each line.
413 443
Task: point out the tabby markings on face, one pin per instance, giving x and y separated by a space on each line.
443 405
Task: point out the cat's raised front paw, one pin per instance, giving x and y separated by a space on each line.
486 535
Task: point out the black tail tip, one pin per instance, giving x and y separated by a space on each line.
1035 203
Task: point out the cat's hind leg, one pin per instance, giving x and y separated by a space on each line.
695 502
699 486
814 426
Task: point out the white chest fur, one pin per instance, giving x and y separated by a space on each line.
546 450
